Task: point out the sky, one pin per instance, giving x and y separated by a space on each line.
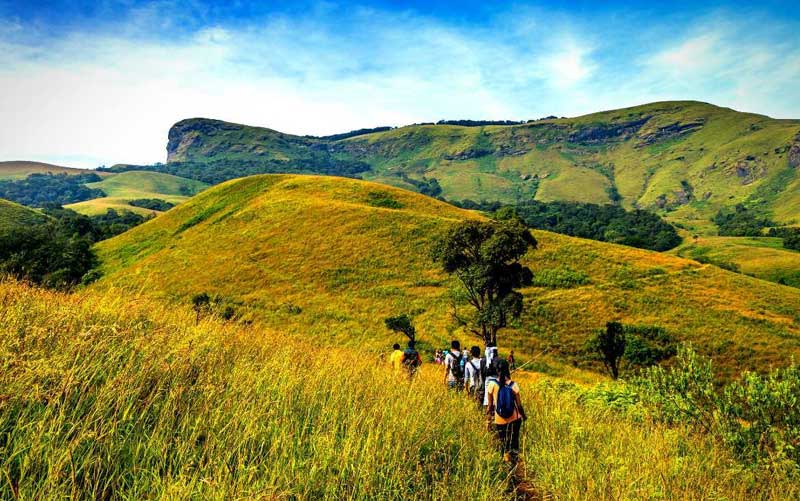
97 83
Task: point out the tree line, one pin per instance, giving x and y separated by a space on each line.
38 190
606 223
57 252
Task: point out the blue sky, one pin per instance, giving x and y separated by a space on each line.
91 83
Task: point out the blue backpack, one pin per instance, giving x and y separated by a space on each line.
506 403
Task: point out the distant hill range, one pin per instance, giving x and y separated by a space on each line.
18 169
684 159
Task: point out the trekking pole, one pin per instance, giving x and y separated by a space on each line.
531 360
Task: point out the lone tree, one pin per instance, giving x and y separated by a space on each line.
200 303
402 324
610 345
484 256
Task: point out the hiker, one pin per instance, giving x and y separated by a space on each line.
396 358
453 368
473 373
411 360
489 377
506 412
438 357
511 363
491 352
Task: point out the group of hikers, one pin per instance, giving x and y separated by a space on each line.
485 377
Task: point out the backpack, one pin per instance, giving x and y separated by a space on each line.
506 403
477 374
457 366
410 359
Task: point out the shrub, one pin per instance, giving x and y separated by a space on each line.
757 416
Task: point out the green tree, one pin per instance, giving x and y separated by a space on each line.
484 257
200 303
610 345
402 324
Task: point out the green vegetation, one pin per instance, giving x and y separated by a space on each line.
53 247
684 159
123 188
763 257
606 223
37 190
484 257
152 203
741 222
47 253
756 416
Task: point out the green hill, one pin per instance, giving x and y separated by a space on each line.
15 216
126 186
332 257
685 159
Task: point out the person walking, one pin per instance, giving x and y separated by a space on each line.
396 358
511 362
473 374
411 360
453 368
506 412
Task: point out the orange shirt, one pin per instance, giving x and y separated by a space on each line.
494 389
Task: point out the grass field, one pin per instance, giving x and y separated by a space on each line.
318 255
761 257
18 169
124 187
117 397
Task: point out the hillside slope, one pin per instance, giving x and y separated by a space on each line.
683 158
126 186
332 257
18 169
14 216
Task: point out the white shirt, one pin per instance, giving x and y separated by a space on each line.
473 374
491 352
486 390
449 360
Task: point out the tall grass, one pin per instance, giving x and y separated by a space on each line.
114 401
111 398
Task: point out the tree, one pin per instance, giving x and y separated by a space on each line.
610 345
402 324
484 257
200 302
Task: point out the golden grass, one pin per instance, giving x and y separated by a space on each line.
119 397
310 254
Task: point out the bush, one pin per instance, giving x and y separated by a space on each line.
152 204
741 222
383 199
560 278
758 416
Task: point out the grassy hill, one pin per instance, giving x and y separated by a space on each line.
332 257
14 216
761 257
124 187
685 159
18 169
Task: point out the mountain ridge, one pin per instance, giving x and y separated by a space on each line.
684 159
